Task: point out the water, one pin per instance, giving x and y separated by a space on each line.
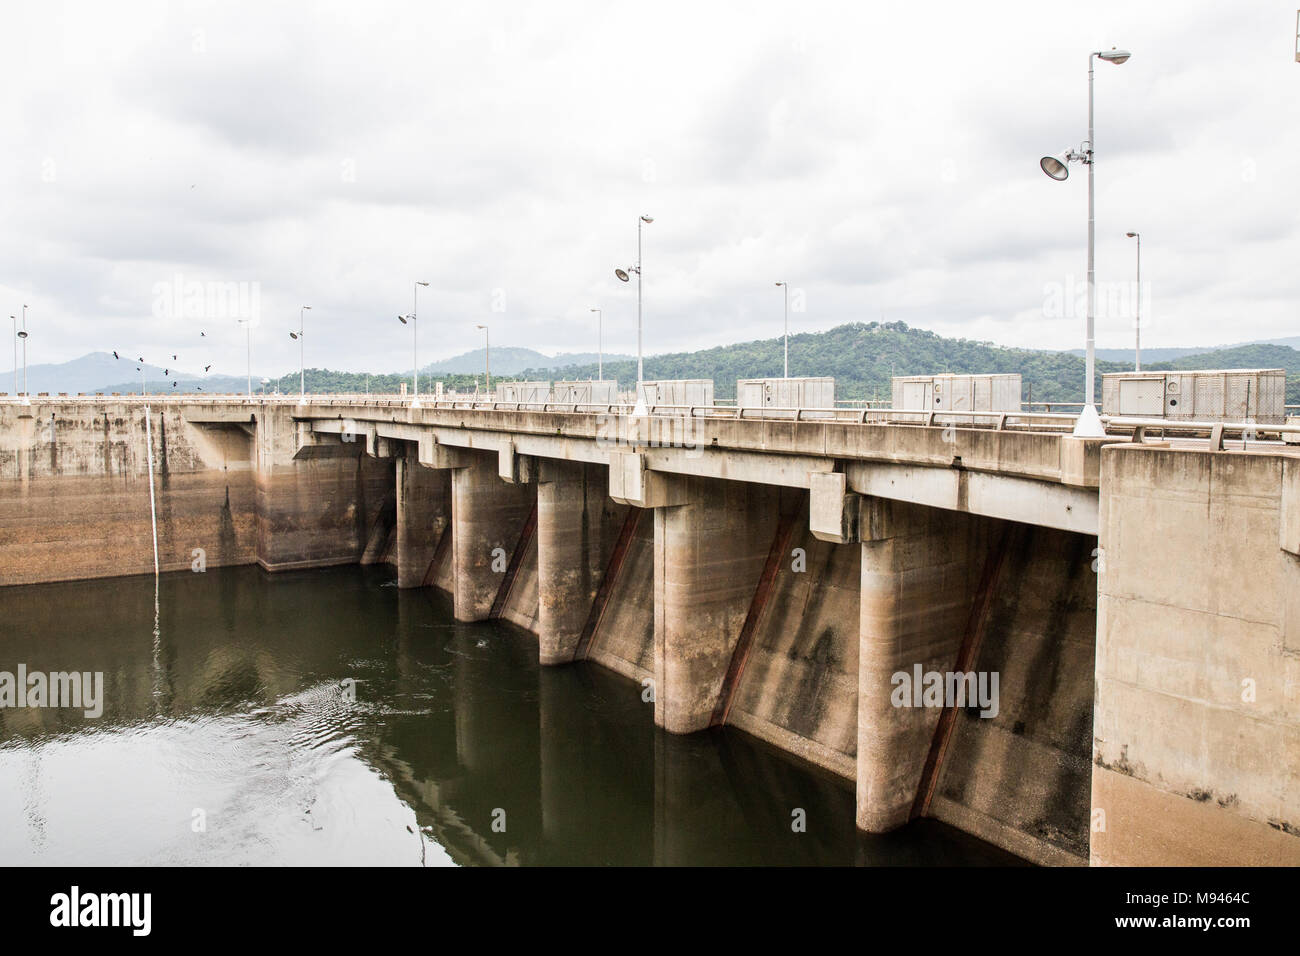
228 736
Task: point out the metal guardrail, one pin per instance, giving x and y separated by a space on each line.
1244 430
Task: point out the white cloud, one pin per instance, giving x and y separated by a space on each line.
883 161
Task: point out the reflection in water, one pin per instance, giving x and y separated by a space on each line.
235 734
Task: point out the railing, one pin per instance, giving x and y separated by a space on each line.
1246 431
1024 421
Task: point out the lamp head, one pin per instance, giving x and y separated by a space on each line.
293 335
1131 235
1115 56
622 276
421 283
1056 166
402 319
22 335
646 219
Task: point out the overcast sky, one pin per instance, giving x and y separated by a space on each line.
884 162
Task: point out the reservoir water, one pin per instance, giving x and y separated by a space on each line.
325 717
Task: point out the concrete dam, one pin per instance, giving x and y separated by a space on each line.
1079 650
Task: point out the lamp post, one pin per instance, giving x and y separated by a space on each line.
415 344
15 321
1137 305
786 288
622 274
248 331
600 348
27 398
1088 424
487 359
302 367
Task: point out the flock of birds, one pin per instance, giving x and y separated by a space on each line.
166 371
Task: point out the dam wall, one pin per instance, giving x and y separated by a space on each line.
74 492
1132 609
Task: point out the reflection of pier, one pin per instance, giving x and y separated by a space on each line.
573 758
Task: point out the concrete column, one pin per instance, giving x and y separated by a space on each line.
318 504
487 516
709 554
577 527
423 510
919 566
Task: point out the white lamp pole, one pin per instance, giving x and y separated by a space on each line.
22 334
600 348
487 358
302 366
248 349
639 408
785 287
1088 424
1137 305
415 345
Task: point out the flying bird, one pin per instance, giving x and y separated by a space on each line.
140 360
173 357
173 384
206 367
202 334
165 373
115 355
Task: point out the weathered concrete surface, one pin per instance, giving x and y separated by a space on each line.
488 516
523 601
708 557
920 567
625 640
329 504
1020 779
799 688
74 492
423 514
1197 722
577 528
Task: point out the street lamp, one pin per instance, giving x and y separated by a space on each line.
786 287
415 343
248 330
487 358
1057 167
1137 305
302 367
27 398
600 349
15 321
622 274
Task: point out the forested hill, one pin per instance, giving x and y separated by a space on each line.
863 357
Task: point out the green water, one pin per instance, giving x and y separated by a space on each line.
230 735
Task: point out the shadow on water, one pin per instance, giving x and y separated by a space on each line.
324 716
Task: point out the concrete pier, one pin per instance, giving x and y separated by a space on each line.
709 551
423 517
920 567
488 518
577 528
